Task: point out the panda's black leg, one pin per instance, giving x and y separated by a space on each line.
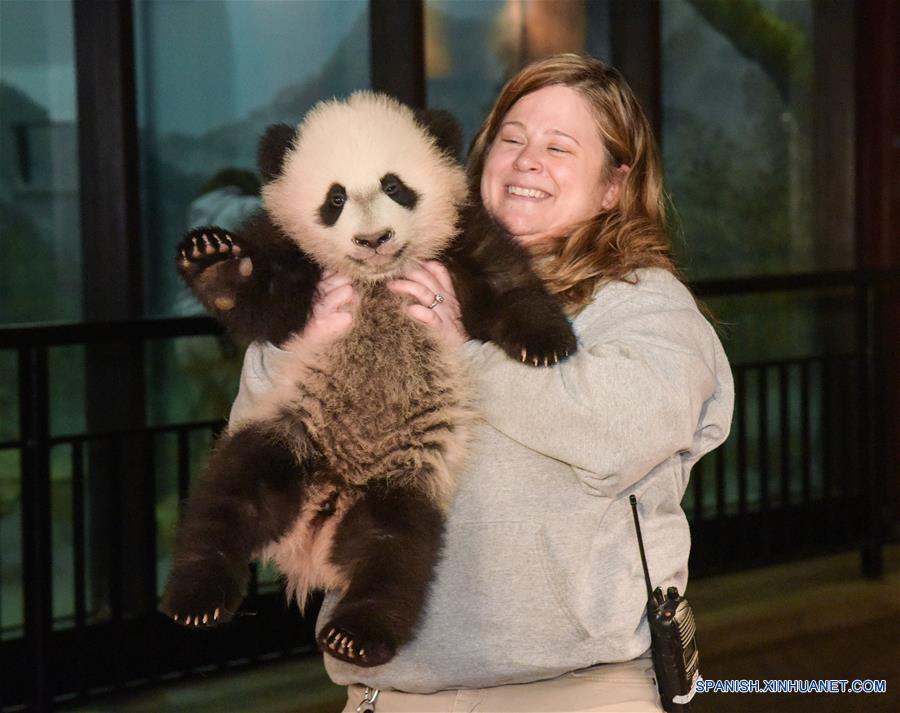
249 494
388 543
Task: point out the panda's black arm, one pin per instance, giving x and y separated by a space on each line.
501 298
255 281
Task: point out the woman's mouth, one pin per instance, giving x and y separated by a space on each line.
523 192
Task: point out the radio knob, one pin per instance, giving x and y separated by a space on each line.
672 593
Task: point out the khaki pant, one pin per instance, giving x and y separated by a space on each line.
628 687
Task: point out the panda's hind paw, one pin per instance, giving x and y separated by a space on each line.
361 650
201 597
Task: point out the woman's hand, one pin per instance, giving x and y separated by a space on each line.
435 304
332 313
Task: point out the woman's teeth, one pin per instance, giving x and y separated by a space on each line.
527 192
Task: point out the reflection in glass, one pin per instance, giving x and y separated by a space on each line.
39 212
472 48
211 77
758 133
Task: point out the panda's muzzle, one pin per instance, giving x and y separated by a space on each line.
373 240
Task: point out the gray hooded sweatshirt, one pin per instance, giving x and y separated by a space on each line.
540 573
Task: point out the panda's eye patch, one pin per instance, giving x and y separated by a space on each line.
331 208
398 191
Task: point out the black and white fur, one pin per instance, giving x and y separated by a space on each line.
343 473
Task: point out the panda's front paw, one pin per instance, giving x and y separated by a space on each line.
213 263
203 247
201 597
355 643
540 343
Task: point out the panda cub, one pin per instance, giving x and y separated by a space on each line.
344 472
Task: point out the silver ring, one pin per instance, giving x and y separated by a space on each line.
438 298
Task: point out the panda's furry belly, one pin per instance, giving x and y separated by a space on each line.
386 403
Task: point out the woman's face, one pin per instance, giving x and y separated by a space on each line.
545 170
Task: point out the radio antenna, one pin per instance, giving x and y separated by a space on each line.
637 527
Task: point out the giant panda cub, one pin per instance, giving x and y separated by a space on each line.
343 474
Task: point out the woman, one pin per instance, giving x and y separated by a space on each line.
538 603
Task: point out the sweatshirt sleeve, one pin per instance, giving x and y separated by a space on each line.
636 393
262 362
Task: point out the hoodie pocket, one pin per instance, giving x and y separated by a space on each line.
502 580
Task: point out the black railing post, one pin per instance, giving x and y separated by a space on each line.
871 482
34 419
397 34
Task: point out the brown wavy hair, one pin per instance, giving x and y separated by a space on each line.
615 242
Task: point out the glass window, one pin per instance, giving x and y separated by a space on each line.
40 227
471 48
758 134
40 222
211 77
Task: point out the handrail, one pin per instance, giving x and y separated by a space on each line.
792 282
148 328
64 333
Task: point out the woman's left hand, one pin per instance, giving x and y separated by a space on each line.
435 304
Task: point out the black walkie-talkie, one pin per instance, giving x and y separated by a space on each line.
672 638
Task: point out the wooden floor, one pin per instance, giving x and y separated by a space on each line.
817 619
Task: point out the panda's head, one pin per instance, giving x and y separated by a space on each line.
362 187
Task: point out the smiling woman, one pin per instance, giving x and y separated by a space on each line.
572 128
548 167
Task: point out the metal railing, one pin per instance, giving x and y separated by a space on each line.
798 475
109 641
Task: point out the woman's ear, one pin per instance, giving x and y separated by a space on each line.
614 186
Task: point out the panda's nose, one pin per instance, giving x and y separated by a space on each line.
373 240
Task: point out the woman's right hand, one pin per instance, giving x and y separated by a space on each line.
332 312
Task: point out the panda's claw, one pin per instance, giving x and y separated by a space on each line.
356 647
207 246
200 620
201 596
215 266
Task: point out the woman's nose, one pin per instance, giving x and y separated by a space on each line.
527 160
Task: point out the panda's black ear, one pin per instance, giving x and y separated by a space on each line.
441 124
273 145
